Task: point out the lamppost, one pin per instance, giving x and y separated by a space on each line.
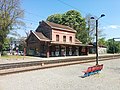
102 15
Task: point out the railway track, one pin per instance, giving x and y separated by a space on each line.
35 65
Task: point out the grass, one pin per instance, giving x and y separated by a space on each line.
9 57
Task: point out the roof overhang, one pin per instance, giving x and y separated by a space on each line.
71 44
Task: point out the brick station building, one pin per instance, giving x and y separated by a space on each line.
50 39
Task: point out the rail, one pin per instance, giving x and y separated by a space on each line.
34 65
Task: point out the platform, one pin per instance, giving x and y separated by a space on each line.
30 58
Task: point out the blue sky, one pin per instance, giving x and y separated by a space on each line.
37 10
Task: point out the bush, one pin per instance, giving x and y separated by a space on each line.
4 53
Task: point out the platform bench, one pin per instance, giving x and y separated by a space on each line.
92 70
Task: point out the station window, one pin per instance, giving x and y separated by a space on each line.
70 39
64 38
57 37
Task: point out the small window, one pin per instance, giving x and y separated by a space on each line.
70 39
57 37
64 38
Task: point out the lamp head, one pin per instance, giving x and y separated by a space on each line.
102 15
92 18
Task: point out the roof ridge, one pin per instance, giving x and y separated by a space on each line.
47 23
59 26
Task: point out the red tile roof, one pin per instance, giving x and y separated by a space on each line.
40 36
72 44
60 27
77 41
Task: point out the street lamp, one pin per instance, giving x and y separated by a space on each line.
102 15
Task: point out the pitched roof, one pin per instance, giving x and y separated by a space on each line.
40 36
60 27
77 41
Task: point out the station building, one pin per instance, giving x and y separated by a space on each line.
53 40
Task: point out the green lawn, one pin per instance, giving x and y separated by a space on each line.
13 57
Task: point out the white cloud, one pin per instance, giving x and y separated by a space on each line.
112 27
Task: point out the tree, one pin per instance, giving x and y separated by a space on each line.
10 14
73 19
22 43
6 46
90 25
102 42
56 18
113 46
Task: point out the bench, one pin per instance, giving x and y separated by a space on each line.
93 70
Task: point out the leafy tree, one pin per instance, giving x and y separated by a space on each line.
73 19
56 18
6 46
102 42
113 46
10 12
